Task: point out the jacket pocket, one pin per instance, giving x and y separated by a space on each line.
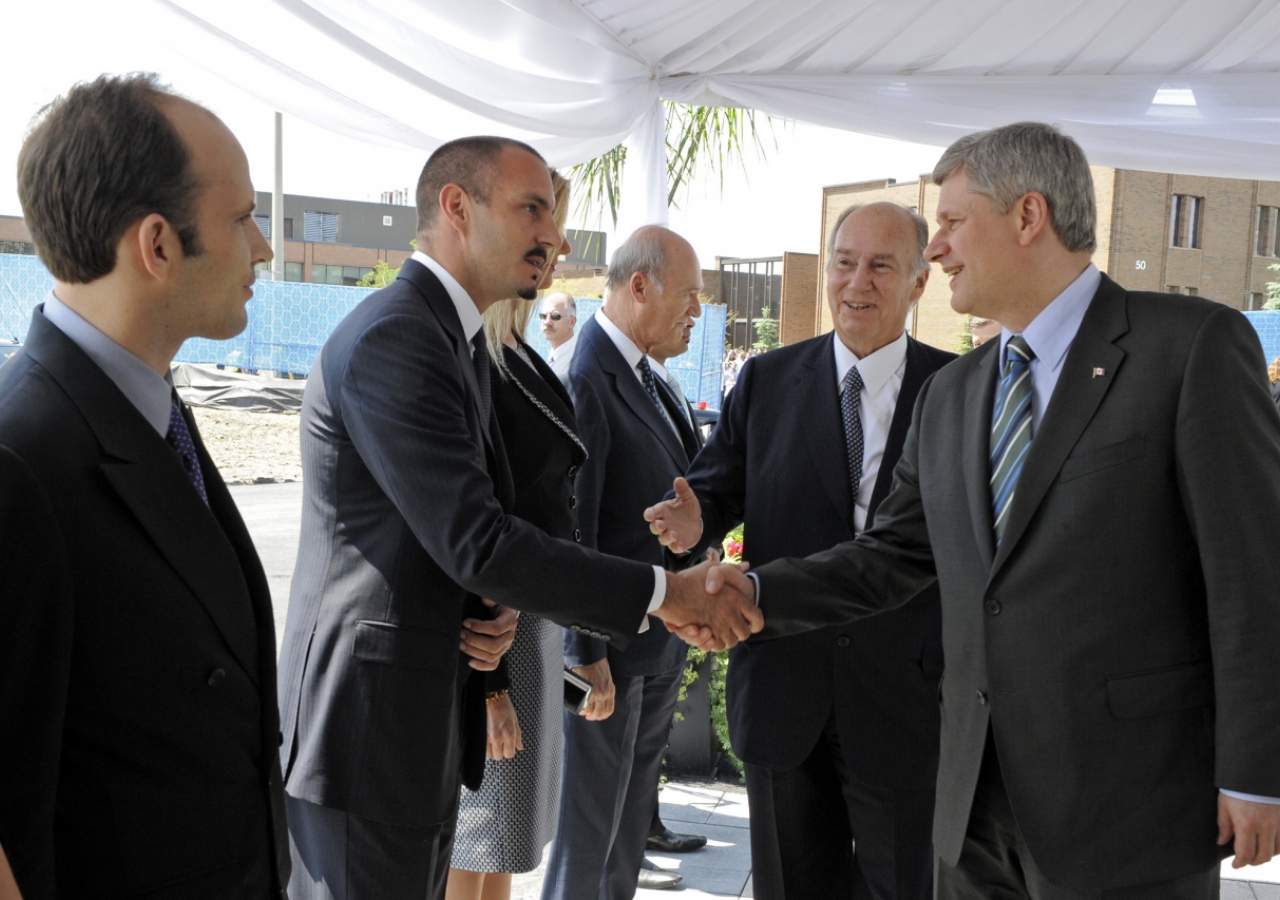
383 642
1163 691
1111 455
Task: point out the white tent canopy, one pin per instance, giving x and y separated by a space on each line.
1189 86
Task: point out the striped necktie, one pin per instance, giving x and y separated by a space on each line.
1011 429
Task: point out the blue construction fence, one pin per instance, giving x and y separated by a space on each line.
290 321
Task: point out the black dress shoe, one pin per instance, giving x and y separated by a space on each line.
670 842
656 879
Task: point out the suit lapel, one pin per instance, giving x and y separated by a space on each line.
627 385
823 427
912 379
976 448
441 305
1075 400
678 409
150 481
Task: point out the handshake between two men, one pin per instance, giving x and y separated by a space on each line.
711 606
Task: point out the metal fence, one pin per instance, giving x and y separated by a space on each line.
749 287
290 321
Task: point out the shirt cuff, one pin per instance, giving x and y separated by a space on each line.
756 582
659 595
1252 798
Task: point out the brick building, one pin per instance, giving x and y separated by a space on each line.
1214 237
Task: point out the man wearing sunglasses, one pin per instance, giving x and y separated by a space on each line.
558 316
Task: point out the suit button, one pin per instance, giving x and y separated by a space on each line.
993 607
573 470
216 677
577 535
573 502
281 744
842 641
982 698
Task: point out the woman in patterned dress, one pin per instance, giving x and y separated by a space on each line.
505 826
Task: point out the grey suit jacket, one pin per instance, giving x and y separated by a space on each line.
404 524
1121 643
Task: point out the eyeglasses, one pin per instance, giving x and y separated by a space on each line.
555 317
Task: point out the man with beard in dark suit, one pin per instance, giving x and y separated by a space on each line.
838 728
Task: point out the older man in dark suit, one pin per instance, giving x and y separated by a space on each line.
405 526
137 652
1086 491
638 437
838 727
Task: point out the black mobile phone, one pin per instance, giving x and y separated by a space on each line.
577 691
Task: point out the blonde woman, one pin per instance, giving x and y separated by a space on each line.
505 826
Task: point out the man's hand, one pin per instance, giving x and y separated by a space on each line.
485 640
1255 826
600 704
505 738
710 622
677 522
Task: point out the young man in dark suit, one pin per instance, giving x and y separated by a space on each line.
137 651
839 727
1087 491
406 526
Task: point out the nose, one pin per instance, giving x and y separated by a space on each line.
862 279
565 247
259 245
937 248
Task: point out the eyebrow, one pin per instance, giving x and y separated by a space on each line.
848 252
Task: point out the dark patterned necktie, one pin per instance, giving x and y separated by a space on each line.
480 359
651 388
849 402
1010 429
179 438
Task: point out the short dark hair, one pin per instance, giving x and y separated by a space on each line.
97 160
468 162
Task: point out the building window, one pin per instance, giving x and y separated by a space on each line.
320 227
348 276
264 225
293 271
1176 289
24 248
1186 218
1267 237
288 232
1256 299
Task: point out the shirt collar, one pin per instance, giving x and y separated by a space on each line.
1051 332
876 368
630 352
468 312
151 394
659 370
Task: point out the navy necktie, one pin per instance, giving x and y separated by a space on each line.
849 403
179 438
651 388
480 359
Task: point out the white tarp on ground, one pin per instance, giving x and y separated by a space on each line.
1188 86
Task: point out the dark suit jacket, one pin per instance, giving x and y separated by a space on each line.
405 521
634 455
1121 644
777 462
146 747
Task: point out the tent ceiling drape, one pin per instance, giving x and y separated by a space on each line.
1190 86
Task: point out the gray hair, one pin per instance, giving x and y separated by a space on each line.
643 252
569 302
1007 163
919 265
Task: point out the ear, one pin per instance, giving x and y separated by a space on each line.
1032 217
639 286
921 280
456 207
155 244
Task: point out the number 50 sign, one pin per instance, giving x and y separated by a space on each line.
1140 264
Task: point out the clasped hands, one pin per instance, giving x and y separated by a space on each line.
712 605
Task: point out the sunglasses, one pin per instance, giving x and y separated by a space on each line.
555 317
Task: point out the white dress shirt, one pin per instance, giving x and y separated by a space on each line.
150 393
563 353
881 372
468 312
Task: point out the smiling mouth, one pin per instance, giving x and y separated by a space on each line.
858 307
